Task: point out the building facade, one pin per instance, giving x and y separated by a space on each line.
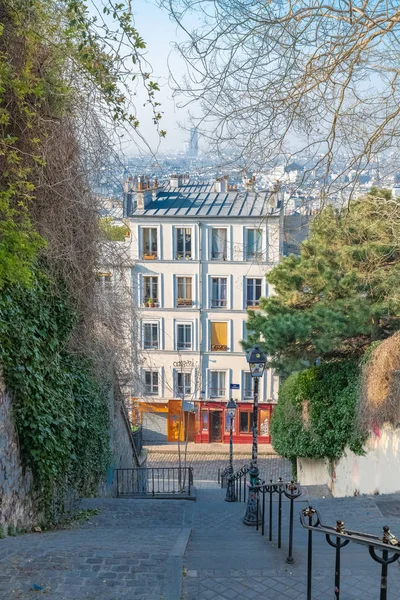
199 254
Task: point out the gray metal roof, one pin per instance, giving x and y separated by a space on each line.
200 200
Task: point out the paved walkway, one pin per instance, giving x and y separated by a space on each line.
205 466
125 552
225 560
133 550
216 448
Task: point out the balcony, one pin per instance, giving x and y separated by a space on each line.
218 303
257 256
184 302
219 347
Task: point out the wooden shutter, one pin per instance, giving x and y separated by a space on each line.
219 336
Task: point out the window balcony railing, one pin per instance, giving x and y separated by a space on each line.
248 394
150 345
253 303
250 255
219 347
217 392
184 346
183 256
150 255
218 303
184 302
151 391
218 255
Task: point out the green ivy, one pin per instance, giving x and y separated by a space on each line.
332 392
61 410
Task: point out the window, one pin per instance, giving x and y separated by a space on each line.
248 385
204 420
183 243
217 384
218 292
245 422
253 292
183 384
150 290
150 335
149 243
184 291
253 243
151 383
219 336
184 336
104 280
218 244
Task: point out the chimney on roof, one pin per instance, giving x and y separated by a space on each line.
144 193
221 184
175 180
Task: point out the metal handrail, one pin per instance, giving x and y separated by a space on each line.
154 481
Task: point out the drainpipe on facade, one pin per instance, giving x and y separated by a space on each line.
200 299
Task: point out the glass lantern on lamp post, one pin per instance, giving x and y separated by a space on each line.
230 490
256 359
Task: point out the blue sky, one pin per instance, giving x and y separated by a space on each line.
159 34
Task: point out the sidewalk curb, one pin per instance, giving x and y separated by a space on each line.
207 452
175 566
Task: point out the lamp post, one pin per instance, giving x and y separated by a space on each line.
257 360
230 490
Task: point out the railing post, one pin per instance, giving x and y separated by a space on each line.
263 513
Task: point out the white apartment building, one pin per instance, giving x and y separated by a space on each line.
199 254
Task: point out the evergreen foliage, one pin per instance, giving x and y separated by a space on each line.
341 293
61 410
316 413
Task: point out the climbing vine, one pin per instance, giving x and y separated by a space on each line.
316 413
61 410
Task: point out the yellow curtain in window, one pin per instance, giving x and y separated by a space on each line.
219 334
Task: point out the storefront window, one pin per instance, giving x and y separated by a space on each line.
204 420
264 422
245 422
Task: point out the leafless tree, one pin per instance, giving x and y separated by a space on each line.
275 79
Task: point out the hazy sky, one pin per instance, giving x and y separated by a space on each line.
159 34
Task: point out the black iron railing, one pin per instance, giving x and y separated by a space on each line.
155 481
137 437
239 480
338 537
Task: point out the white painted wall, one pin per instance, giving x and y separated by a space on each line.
376 472
201 268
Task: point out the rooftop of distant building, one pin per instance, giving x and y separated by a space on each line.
182 198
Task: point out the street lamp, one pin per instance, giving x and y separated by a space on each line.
257 361
230 490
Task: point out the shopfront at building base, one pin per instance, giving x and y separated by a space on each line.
212 423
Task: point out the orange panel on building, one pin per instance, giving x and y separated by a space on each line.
176 429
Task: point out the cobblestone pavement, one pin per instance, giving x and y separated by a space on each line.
214 448
122 553
205 466
225 560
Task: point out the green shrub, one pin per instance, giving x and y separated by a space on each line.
324 426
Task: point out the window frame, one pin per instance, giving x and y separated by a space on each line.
254 302
158 385
185 375
225 252
256 254
152 324
187 325
184 301
185 254
246 396
218 372
146 255
228 335
143 281
216 302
